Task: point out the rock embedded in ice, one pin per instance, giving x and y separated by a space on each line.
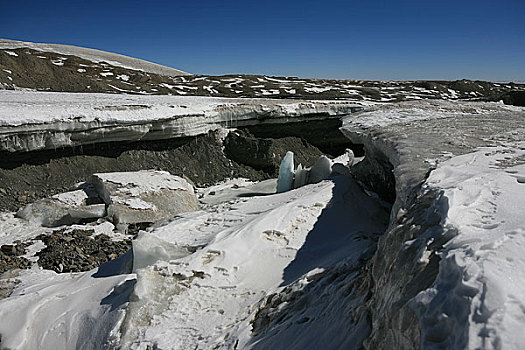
144 196
286 173
321 170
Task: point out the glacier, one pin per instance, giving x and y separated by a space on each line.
418 245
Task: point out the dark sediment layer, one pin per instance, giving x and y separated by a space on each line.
27 177
323 134
266 154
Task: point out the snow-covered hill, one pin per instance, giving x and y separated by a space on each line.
93 55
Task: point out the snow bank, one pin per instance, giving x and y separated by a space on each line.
63 311
255 247
485 193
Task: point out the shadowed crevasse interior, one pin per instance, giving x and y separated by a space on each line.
27 176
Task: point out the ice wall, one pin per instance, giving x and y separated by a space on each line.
38 120
407 304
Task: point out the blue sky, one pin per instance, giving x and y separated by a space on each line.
483 39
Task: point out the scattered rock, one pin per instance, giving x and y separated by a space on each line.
10 259
77 250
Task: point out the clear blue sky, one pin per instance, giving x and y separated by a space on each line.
365 39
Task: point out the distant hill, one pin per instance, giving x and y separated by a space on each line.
64 68
95 56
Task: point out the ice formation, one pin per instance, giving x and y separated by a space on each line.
321 170
301 177
49 120
286 173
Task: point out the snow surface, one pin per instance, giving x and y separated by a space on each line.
48 120
471 197
249 247
23 107
145 181
253 247
62 311
485 193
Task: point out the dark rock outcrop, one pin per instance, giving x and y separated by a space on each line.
516 98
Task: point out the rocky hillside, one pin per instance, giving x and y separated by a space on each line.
95 56
53 68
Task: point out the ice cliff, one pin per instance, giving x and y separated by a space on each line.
433 281
37 120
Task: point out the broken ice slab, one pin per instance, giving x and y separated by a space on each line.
144 196
88 211
63 209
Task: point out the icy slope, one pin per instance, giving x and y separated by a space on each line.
94 56
249 251
256 247
63 311
446 273
38 120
